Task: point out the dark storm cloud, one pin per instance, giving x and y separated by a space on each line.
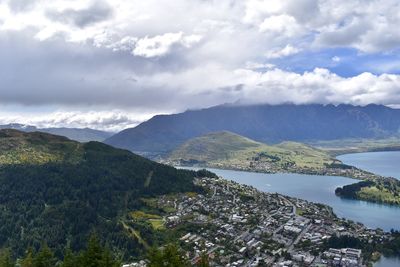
98 11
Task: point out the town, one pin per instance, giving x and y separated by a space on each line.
237 225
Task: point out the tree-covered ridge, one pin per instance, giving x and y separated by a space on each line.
37 148
385 190
61 201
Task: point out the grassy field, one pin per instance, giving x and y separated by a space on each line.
344 146
155 220
229 149
381 195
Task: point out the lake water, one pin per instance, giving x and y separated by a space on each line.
320 189
383 163
388 262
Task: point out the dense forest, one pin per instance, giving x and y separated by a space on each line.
73 189
385 190
97 255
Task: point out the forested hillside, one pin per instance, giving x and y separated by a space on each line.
58 191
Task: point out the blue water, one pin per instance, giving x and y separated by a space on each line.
383 163
388 262
320 189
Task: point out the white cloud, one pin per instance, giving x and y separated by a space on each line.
162 44
281 25
166 56
256 65
113 120
288 50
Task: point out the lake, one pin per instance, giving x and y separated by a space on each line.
383 163
388 262
320 189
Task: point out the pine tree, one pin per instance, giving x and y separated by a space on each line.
170 256
107 259
5 259
44 258
70 260
27 261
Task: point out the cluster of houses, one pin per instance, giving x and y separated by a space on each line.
237 225
348 257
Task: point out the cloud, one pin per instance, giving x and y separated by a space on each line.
148 57
281 24
284 52
113 121
17 6
96 12
162 44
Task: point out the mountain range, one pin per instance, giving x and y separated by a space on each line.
263 123
77 134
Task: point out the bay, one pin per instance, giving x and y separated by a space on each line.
320 189
383 163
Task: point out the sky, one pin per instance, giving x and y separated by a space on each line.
110 64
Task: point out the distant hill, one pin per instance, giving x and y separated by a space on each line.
263 123
77 134
229 150
58 191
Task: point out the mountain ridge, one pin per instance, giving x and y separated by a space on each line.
77 134
263 123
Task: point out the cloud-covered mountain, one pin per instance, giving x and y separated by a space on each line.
264 123
77 134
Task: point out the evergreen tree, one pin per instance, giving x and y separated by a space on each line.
96 255
27 261
170 256
107 259
93 254
44 258
70 260
5 259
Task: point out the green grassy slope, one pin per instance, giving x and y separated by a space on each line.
226 149
58 191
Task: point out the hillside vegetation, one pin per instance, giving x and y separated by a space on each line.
58 191
229 150
381 191
77 134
